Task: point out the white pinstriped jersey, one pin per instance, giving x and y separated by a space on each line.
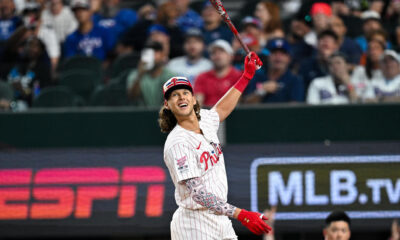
189 155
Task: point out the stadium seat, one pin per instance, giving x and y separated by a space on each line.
123 63
81 62
58 96
6 91
82 82
113 94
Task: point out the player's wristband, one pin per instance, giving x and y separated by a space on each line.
241 84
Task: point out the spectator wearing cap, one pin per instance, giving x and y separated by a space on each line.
145 82
320 13
388 89
115 18
167 16
9 22
371 23
317 65
363 76
213 28
280 85
270 21
60 18
347 45
335 88
193 63
188 18
89 39
210 86
337 226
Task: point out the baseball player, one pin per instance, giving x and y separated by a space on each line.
195 160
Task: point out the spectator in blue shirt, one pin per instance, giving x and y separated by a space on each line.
214 28
188 18
113 17
89 39
280 85
8 21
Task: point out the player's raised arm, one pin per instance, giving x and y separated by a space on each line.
254 221
228 102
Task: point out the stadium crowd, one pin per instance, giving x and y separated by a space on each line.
96 53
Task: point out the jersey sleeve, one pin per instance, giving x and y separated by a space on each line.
211 118
182 163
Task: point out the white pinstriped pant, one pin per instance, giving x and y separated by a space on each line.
200 225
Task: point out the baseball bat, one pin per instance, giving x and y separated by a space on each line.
224 15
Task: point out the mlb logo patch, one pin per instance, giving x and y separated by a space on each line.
182 164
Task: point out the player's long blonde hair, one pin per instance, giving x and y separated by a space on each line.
167 120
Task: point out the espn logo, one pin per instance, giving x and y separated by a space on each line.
58 193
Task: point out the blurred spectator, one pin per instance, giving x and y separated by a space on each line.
193 63
363 76
214 28
254 46
337 226
89 39
321 13
167 17
289 8
395 231
19 6
280 85
6 96
32 71
317 65
188 18
353 23
252 26
268 13
210 86
300 50
60 18
347 46
158 33
335 88
144 84
270 214
388 89
137 35
115 18
371 23
33 22
9 22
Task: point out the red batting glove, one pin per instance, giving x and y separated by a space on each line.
254 222
251 63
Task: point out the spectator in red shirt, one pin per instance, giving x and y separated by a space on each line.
212 85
